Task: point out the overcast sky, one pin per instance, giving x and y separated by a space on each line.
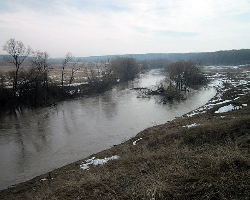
106 27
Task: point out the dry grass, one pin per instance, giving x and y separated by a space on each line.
54 72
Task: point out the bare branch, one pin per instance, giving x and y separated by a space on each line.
18 53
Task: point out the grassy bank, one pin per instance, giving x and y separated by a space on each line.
202 155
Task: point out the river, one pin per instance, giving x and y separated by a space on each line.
35 141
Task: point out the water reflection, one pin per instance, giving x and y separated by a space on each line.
36 141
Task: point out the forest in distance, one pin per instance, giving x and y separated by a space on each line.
31 78
226 57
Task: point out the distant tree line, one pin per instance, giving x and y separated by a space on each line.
33 87
154 63
229 57
232 57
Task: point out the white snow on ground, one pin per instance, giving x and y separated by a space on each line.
207 107
191 125
134 143
227 108
194 113
44 179
77 84
218 83
93 161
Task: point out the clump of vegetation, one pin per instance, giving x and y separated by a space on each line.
99 79
180 77
125 68
170 93
185 74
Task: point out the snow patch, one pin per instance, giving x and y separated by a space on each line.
93 161
134 143
191 125
195 113
77 84
227 108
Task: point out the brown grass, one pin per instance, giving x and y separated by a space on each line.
54 72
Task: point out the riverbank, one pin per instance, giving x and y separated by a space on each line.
201 155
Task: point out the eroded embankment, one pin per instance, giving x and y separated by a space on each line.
202 155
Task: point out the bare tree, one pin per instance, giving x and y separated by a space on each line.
40 67
74 70
92 73
67 59
40 62
18 53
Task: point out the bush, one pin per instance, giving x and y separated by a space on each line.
125 68
185 74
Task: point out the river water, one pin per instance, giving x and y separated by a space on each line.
36 141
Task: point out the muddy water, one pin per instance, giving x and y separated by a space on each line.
34 142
